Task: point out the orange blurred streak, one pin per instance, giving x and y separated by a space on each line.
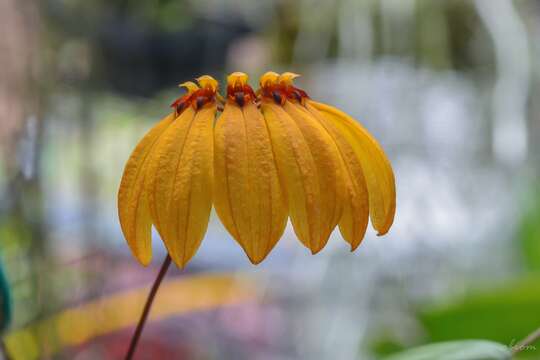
78 325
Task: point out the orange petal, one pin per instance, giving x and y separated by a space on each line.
133 211
183 188
173 138
355 216
326 157
376 167
298 175
247 194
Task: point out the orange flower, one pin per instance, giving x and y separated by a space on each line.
277 154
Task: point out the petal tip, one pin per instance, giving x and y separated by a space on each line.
383 232
256 261
144 260
179 264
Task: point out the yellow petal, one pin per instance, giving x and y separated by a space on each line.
377 169
132 203
355 216
247 194
183 189
298 175
327 160
173 138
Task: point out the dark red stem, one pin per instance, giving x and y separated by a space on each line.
147 307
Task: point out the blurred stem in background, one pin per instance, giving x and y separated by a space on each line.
5 308
5 301
22 105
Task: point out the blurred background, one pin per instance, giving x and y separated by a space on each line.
449 88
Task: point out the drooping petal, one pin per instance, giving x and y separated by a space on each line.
247 194
355 216
133 209
183 189
299 177
376 167
167 150
327 160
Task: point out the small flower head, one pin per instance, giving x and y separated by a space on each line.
237 80
184 101
208 82
293 93
238 89
271 89
268 79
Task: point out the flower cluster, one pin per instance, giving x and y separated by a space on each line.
271 155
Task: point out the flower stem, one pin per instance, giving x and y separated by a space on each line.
147 307
525 343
